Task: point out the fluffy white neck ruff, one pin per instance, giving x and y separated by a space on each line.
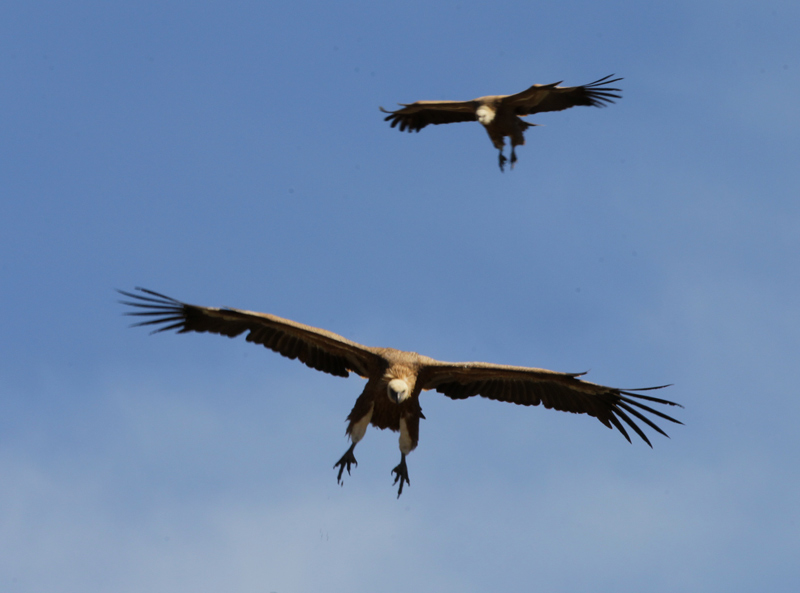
485 114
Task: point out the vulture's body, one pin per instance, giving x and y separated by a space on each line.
501 115
396 378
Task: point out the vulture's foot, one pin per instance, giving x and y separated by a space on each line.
513 158
402 474
502 160
346 461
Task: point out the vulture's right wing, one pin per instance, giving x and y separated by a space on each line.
317 348
559 391
415 116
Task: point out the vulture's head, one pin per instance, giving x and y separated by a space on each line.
485 114
398 391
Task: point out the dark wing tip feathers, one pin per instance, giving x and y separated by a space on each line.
600 95
160 308
626 403
410 124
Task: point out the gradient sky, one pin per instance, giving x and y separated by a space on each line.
232 153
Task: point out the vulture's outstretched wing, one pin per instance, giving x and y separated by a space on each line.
317 348
551 97
415 116
558 391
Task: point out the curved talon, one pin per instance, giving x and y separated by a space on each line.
502 161
402 474
513 158
346 461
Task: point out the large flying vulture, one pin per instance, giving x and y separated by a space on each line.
396 378
500 114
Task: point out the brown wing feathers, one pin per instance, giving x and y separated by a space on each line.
318 349
541 98
567 393
415 116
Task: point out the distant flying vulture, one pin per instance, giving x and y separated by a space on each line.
396 378
500 114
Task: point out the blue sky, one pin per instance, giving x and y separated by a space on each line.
233 154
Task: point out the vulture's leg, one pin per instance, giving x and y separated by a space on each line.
346 461
359 420
409 435
513 156
401 472
502 160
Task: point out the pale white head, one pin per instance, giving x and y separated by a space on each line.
485 114
398 390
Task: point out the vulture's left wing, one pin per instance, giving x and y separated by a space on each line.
415 116
554 390
551 97
317 348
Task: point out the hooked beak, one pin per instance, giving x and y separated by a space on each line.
397 390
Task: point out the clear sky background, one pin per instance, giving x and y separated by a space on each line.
232 153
